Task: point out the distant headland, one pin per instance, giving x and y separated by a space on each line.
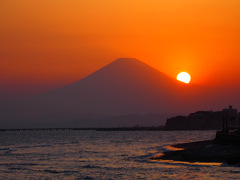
200 120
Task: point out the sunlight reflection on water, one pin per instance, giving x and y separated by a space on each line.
101 155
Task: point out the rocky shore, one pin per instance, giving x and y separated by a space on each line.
203 151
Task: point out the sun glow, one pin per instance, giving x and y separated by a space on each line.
184 77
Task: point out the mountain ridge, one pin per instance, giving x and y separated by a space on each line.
125 86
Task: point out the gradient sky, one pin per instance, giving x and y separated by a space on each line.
46 44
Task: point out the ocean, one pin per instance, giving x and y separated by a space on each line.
102 155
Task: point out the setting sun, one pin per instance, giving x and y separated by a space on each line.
184 77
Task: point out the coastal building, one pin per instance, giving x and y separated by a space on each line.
231 127
231 121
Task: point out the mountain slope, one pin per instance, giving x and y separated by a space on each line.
125 86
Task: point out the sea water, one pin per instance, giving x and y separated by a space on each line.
102 155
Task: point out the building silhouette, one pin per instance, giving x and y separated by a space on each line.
231 127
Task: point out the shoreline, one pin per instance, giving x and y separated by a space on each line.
202 151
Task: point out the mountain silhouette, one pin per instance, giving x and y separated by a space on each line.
125 86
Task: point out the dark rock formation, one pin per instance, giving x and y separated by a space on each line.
204 151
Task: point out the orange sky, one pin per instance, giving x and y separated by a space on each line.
49 43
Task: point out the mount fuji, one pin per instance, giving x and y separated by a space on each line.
123 87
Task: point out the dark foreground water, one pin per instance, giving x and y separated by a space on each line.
102 155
